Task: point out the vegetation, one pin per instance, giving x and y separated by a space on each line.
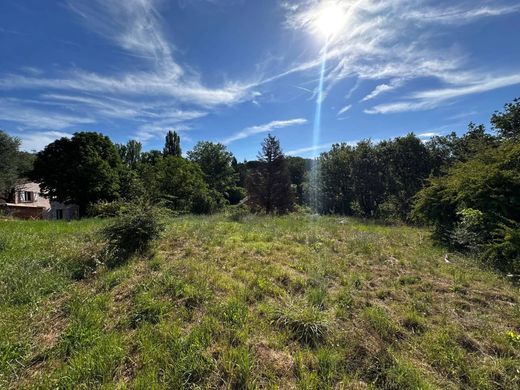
82 170
292 301
269 185
14 164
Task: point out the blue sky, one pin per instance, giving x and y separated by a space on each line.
233 70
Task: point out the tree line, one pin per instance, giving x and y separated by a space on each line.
467 187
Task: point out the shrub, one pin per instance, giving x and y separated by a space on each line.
106 209
239 213
504 252
470 231
133 232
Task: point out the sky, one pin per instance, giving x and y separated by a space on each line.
232 71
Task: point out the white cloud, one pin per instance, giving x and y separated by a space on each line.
136 27
344 109
314 148
427 135
394 41
36 141
265 128
13 110
430 99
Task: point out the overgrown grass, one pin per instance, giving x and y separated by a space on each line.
252 302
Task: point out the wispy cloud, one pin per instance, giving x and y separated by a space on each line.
13 110
36 141
308 149
394 41
265 128
344 109
136 27
423 100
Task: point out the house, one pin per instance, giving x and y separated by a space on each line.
27 202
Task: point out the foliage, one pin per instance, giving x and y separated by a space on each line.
215 161
488 182
132 232
130 153
14 165
507 123
269 186
83 169
504 250
172 145
180 185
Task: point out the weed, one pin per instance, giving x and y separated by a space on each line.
306 323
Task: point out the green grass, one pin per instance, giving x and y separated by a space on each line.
252 302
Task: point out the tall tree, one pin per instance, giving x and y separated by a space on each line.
172 144
368 176
507 123
82 170
130 153
408 163
269 186
335 180
216 162
14 165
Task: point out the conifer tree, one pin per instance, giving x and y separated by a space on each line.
269 186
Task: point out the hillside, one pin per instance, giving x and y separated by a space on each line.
289 302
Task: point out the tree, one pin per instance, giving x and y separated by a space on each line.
269 186
298 170
180 185
84 169
14 165
486 184
130 153
172 144
407 163
507 123
368 178
335 180
216 162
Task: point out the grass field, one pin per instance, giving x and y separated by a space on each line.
285 302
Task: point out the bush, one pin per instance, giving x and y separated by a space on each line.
469 232
504 252
105 209
133 232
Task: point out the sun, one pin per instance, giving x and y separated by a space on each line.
329 20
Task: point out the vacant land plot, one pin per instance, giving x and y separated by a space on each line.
289 302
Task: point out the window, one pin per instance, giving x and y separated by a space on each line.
26 196
59 214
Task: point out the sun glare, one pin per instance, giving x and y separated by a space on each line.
329 20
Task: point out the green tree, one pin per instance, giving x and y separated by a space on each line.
335 180
489 182
84 169
407 163
14 165
368 178
269 186
172 144
507 123
180 185
216 162
130 153
298 170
